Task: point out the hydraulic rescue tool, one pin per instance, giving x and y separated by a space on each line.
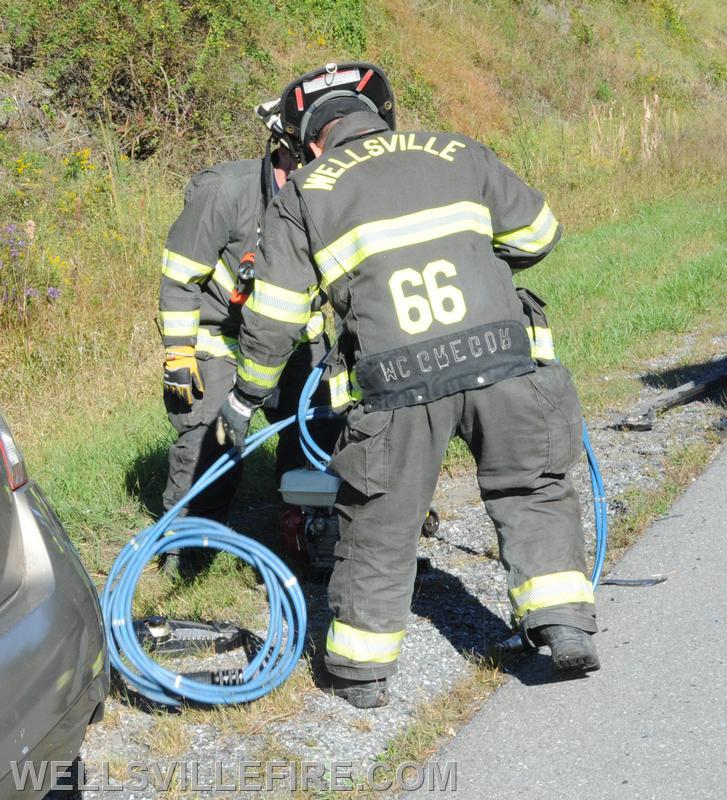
130 641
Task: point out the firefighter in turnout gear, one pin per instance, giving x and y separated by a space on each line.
200 301
414 236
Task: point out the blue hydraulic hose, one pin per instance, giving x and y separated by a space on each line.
285 637
600 509
317 457
320 459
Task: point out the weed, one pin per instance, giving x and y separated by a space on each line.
717 74
169 734
604 93
681 466
436 719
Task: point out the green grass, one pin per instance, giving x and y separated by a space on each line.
624 291
105 475
618 294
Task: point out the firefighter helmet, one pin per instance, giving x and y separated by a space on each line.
314 99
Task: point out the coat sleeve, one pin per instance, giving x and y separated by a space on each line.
191 253
524 229
280 312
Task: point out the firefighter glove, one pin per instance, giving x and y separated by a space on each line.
234 420
181 373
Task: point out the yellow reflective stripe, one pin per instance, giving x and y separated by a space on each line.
541 343
179 323
274 302
356 390
363 646
348 251
259 374
340 396
545 591
314 327
223 276
97 664
533 237
216 345
183 269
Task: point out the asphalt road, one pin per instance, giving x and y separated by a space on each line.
653 722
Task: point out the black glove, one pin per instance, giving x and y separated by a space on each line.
234 420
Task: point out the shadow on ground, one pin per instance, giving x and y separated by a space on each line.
701 372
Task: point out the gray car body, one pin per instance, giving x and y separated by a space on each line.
54 671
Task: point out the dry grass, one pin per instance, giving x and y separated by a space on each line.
285 702
169 735
440 718
682 466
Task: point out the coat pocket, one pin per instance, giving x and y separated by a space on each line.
362 457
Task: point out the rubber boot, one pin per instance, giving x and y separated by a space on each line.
361 694
186 564
170 564
571 649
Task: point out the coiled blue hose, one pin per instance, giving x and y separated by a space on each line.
285 637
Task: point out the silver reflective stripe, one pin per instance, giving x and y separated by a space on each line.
533 237
179 323
363 241
362 646
546 591
541 344
223 276
259 374
182 269
280 304
216 345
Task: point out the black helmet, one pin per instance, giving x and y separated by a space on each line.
313 100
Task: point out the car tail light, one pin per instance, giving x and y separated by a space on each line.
12 457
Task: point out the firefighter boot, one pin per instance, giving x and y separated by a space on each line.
571 648
361 694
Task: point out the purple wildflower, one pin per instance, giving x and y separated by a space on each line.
53 293
31 292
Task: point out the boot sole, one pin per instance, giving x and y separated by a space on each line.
359 699
570 664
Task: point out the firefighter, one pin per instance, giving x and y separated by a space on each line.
414 236
219 224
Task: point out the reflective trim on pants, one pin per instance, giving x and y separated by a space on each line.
546 591
363 646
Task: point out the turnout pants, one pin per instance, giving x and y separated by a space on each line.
525 435
197 448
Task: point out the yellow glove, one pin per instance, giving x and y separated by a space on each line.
181 373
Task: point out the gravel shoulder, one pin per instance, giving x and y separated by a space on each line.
460 606
651 723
